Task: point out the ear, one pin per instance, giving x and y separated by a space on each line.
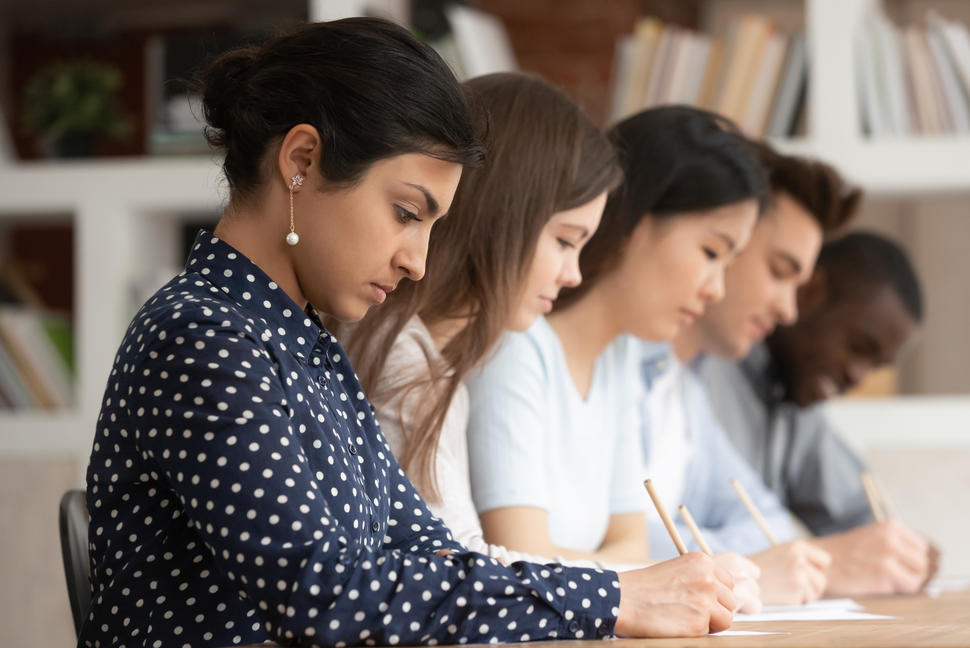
299 150
814 292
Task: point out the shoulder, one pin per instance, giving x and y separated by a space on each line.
536 347
188 312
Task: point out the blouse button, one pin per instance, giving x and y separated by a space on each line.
351 448
321 380
574 626
602 631
375 526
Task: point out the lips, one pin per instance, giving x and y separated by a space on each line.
547 303
380 291
761 328
688 316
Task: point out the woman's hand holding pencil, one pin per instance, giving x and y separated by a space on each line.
744 573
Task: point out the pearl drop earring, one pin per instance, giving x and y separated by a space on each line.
293 238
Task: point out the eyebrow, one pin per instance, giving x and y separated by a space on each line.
582 230
728 240
428 198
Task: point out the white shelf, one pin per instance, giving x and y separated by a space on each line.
903 421
27 433
895 166
177 183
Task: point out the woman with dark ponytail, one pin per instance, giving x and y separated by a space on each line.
239 488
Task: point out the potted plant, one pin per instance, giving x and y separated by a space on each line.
70 105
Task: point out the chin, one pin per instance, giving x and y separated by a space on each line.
658 333
740 349
522 322
350 313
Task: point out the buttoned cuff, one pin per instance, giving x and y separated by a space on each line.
590 605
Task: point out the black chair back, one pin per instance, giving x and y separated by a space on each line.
74 520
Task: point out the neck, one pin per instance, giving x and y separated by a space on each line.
585 328
252 232
688 344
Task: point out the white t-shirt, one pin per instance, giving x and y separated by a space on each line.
411 356
534 441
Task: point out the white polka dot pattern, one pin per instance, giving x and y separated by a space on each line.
240 491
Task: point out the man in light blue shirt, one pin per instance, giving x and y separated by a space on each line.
708 466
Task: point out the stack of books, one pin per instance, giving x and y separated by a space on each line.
756 74
36 359
913 80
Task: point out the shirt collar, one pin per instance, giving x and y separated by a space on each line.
656 358
231 272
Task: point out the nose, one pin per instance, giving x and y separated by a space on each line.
570 275
786 306
412 256
713 289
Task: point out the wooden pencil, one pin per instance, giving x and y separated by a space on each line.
753 510
694 529
872 495
662 510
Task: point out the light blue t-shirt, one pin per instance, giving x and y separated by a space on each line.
534 441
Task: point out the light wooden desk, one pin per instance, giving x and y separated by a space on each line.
923 622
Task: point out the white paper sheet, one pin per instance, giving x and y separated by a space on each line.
823 610
743 633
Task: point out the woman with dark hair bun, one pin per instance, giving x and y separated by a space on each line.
239 488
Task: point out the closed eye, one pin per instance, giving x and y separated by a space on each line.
405 216
710 253
565 244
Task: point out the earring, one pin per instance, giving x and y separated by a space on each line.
293 238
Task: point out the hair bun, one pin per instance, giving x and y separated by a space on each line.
224 93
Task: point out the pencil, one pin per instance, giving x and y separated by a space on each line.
695 531
872 495
888 509
753 510
662 510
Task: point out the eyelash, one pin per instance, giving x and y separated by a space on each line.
564 243
711 254
405 216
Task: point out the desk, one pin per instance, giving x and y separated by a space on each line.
923 622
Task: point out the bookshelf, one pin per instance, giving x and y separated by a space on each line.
831 128
126 212
120 211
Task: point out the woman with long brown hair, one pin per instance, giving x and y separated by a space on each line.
510 242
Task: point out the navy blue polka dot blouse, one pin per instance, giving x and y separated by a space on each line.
240 491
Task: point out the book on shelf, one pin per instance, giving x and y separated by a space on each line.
7 155
481 42
754 74
913 80
36 358
790 95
